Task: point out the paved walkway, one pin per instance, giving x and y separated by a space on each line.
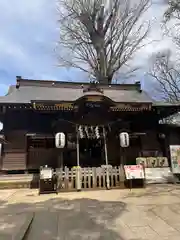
152 213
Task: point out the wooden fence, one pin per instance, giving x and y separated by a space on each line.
90 178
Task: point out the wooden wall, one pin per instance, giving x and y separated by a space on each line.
113 149
133 151
150 142
14 153
174 136
40 156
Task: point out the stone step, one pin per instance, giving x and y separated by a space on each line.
44 226
15 226
18 184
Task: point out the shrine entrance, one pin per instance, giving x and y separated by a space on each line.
91 152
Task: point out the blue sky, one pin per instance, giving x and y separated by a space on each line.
29 32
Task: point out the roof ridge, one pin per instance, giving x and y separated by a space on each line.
64 84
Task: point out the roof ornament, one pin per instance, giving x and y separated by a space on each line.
138 84
18 78
17 85
93 86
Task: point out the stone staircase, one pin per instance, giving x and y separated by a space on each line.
13 181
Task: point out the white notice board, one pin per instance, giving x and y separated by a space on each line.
134 172
159 175
175 158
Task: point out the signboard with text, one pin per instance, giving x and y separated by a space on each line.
134 172
175 158
159 175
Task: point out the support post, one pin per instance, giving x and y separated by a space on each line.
26 147
122 156
60 160
122 162
78 180
130 184
106 159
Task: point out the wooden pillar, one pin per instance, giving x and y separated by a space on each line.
78 180
167 144
122 162
77 147
60 159
26 148
106 159
1 147
140 146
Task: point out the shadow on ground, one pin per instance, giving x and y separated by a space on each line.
76 219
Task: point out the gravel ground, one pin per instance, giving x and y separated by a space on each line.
151 213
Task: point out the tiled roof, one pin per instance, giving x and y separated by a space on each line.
165 104
30 90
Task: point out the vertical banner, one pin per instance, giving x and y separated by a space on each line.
175 158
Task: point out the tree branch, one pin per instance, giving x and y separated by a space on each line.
166 74
100 34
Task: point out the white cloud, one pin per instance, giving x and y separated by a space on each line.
8 47
3 89
28 36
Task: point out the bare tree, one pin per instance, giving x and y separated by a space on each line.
173 10
100 37
165 70
171 23
167 76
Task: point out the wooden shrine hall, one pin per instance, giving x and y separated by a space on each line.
33 111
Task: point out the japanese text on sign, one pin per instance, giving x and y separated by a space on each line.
134 172
175 158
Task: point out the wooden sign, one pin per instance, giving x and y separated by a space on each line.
141 161
93 105
134 172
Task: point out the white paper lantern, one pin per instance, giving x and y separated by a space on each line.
0 149
60 140
124 139
1 126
